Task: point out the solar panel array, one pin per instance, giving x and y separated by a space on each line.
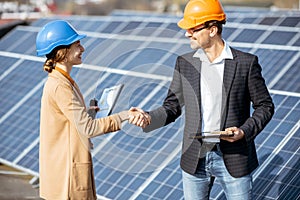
139 50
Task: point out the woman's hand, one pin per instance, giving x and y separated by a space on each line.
139 117
92 110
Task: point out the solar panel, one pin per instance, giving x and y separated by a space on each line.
140 50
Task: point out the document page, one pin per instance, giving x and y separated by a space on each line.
108 99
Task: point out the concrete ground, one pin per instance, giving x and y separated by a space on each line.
14 185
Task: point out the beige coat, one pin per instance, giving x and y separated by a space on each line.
66 170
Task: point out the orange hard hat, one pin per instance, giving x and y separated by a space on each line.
197 12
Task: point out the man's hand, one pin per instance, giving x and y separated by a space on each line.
237 134
139 117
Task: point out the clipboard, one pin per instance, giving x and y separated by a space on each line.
212 134
108 100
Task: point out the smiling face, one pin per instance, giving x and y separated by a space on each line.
74 55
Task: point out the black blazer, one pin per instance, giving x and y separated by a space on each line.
243 84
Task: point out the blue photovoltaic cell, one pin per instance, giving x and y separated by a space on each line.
291 22
20 128
13 89
248 20
278 181
15 138
112 27
273 61
170 61
168 177
145 15
108 53
6 63
94 27
277 171
25 44
30 160
172 31
291 80
154 24
86 84
174 27
248 35
10 39
297 43
285 37
227 31
107 178
150 28
119 61
269 20
113 79
147 58
169 33
132 164
130 26
89 44
79 24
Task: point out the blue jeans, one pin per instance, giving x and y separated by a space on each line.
198 186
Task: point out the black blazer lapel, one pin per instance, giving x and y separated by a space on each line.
194 80
195 62
229 74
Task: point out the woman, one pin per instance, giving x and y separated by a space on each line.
66 170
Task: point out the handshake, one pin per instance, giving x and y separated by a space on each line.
135 116
139 117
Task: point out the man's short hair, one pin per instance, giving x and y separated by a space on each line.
218 24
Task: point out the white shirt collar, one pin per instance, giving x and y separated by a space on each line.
226 54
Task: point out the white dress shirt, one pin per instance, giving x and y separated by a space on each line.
211 90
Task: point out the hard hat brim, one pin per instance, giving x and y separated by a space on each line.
71 40
183 24
186 23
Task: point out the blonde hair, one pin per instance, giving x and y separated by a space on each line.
56 55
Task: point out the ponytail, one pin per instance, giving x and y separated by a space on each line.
49 65
56 55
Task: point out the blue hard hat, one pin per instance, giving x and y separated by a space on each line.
54 34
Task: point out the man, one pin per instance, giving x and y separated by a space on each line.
216 85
